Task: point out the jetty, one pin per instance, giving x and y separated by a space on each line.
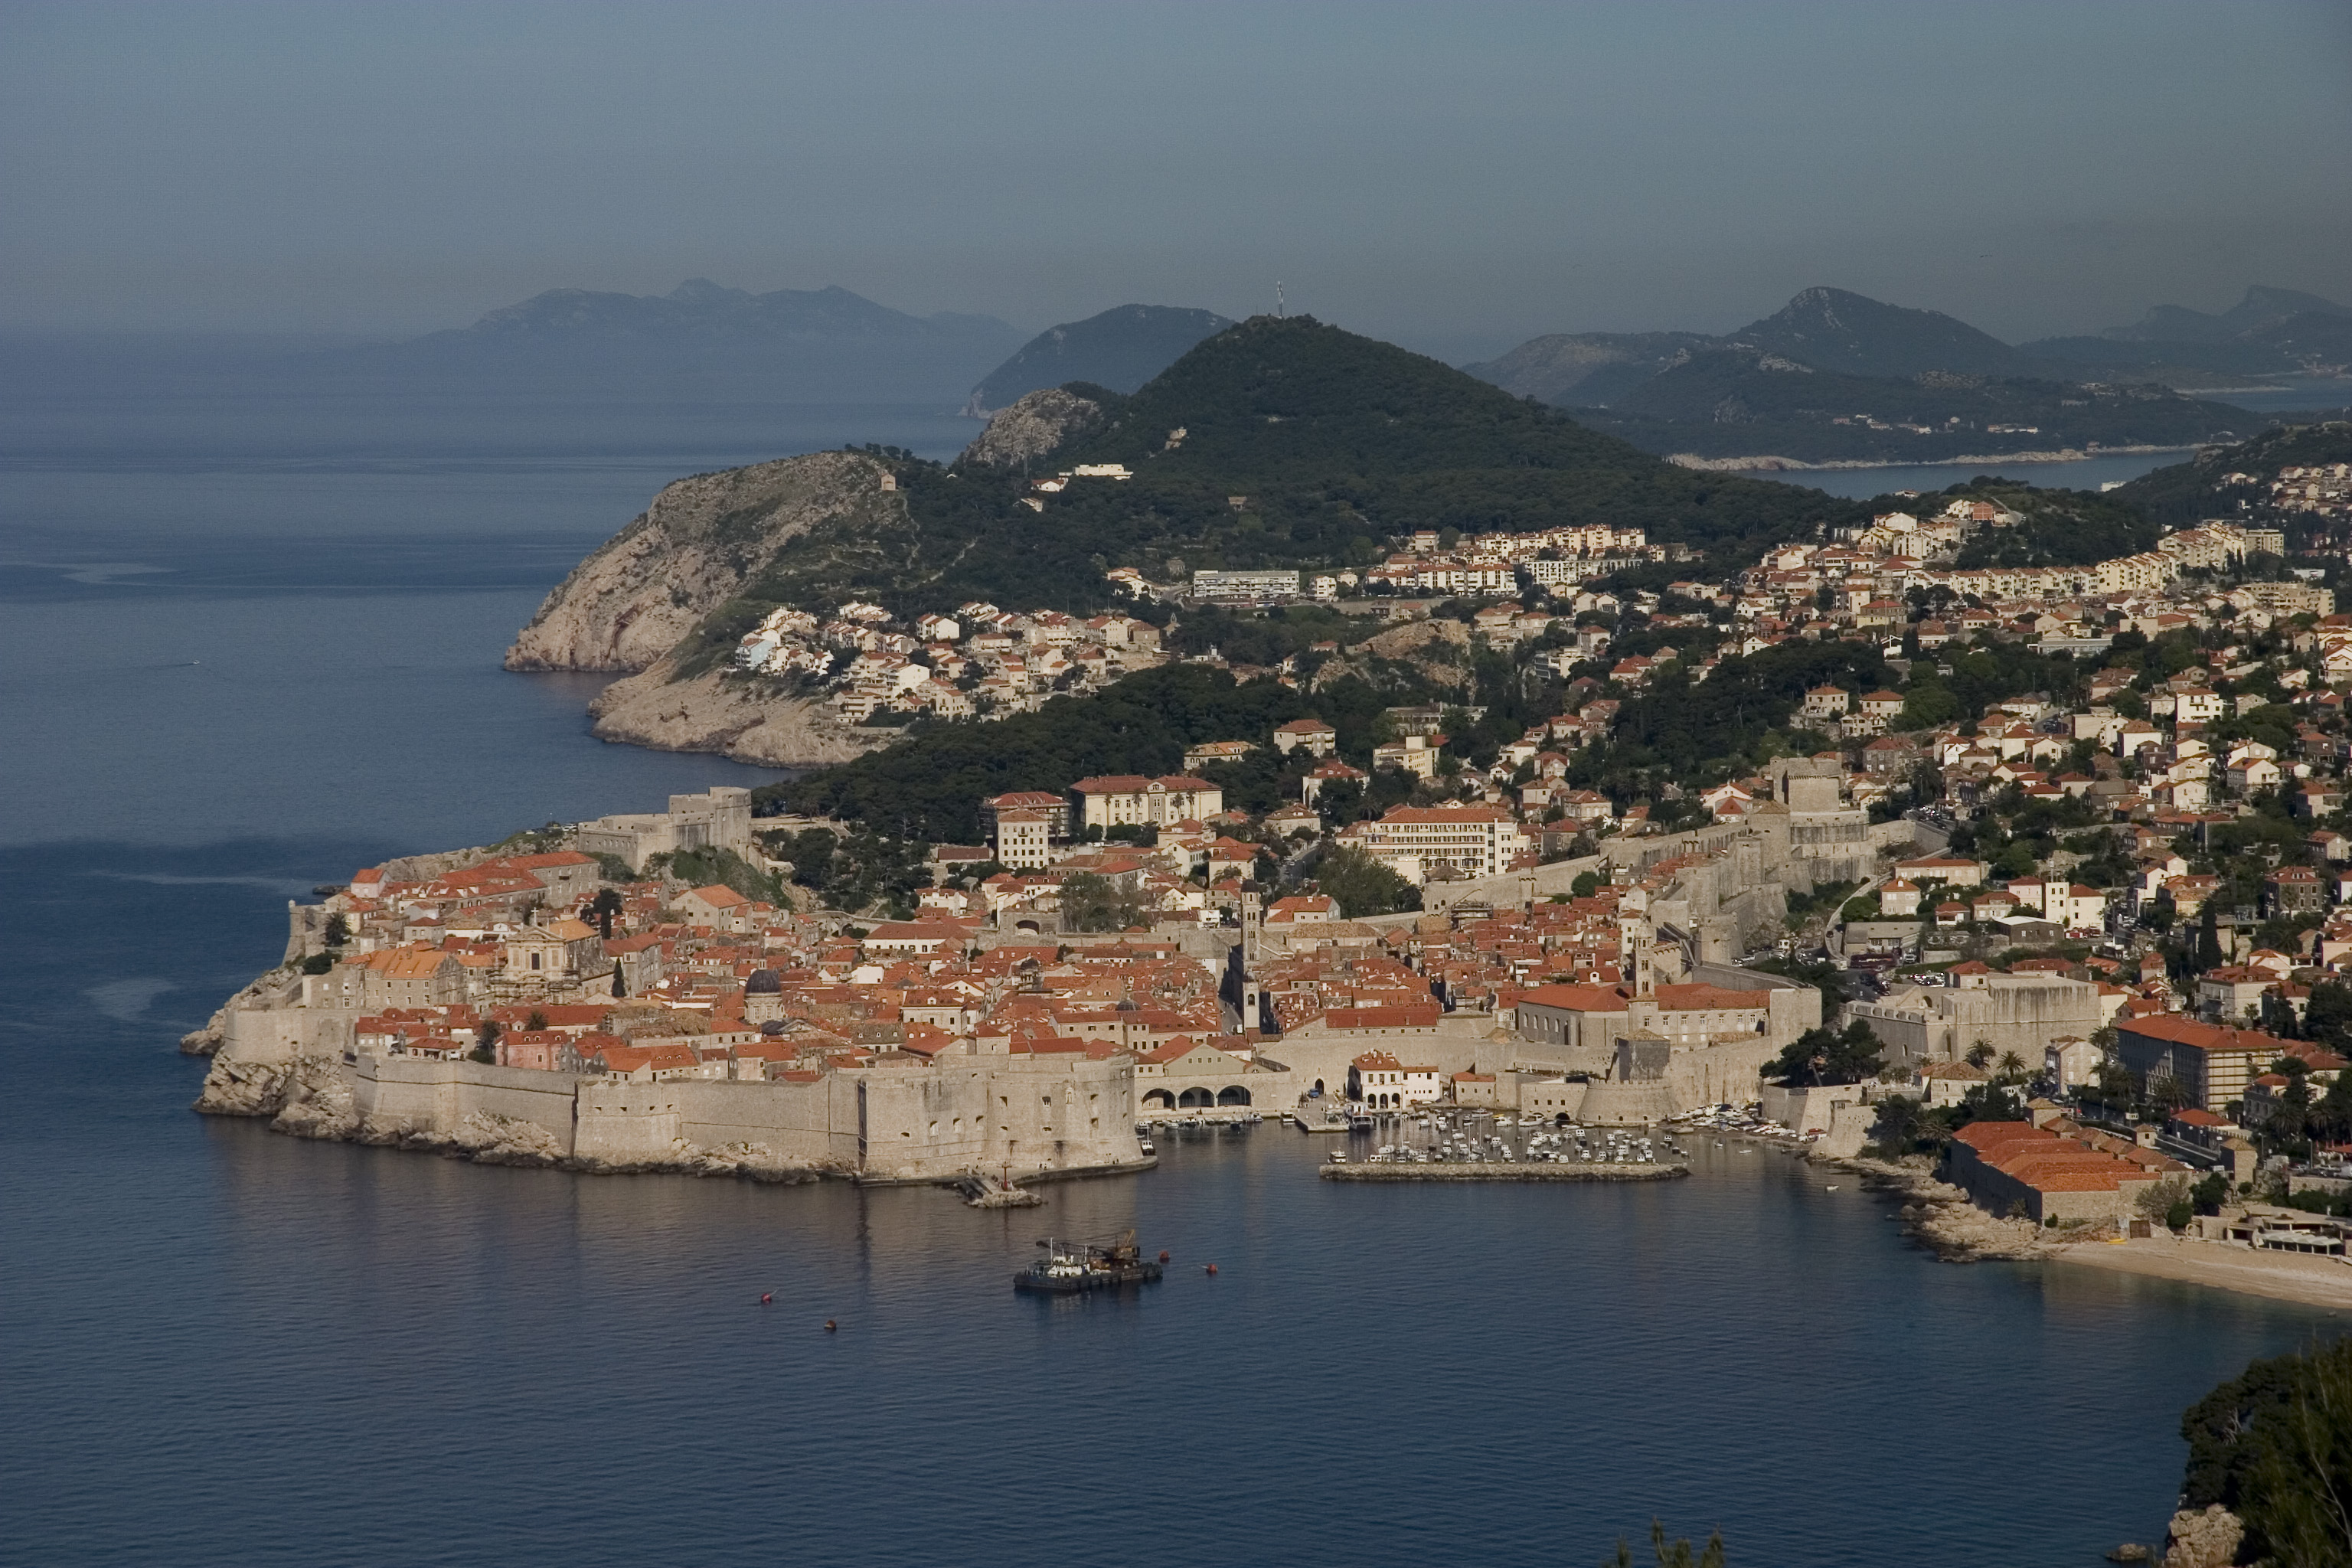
1507 1171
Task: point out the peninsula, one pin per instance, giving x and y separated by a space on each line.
1987 834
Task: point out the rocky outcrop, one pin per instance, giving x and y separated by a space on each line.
236 1087
1031 428
2206 1539
1940 1217
318 1101
738 718
696 547
1437 650
746 1161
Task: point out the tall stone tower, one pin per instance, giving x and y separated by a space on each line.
1633 940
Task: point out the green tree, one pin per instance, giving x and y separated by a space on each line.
1821 1057
1901 1125
2208 939
2274 1444
339 930
603 909
1363 884
1092 902
486 1042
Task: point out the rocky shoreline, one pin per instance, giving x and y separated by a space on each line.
1940 1216
733 716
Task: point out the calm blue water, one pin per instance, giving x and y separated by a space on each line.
225 682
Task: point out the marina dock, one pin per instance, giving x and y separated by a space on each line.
1511 1171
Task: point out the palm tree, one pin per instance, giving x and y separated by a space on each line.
1678 1554
2012 1067
1979 1054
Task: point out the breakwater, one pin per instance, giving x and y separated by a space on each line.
1507 1171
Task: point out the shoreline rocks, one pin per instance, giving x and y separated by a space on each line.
2203 1539
1940 1216
710 713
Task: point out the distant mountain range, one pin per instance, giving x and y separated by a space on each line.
702 311
2271 331
818 344
1119 349
1835 376
812 344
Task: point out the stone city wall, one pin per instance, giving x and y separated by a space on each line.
418 1094
285 1034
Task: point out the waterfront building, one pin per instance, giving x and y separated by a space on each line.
1383 1082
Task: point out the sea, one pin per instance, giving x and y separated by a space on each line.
246 650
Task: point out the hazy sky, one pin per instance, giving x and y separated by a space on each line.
1456 176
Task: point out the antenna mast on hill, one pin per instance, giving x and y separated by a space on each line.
1277 300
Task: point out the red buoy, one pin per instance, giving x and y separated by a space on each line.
766 1297
1213 1268
828 1325
1163 1254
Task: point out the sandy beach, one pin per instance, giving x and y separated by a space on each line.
2283 1276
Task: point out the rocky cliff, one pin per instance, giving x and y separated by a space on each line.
707 713
694 548
1032 428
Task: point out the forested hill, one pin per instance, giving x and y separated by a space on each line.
2186 493
1119 349
1277 443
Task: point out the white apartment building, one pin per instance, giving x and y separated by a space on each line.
1023 838
1468 840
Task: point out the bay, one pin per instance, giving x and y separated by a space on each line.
226 681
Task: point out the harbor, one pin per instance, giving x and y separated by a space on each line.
1504 1171
1447 1144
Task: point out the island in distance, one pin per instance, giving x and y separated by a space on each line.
701 339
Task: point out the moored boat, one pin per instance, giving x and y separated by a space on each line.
1070 1267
